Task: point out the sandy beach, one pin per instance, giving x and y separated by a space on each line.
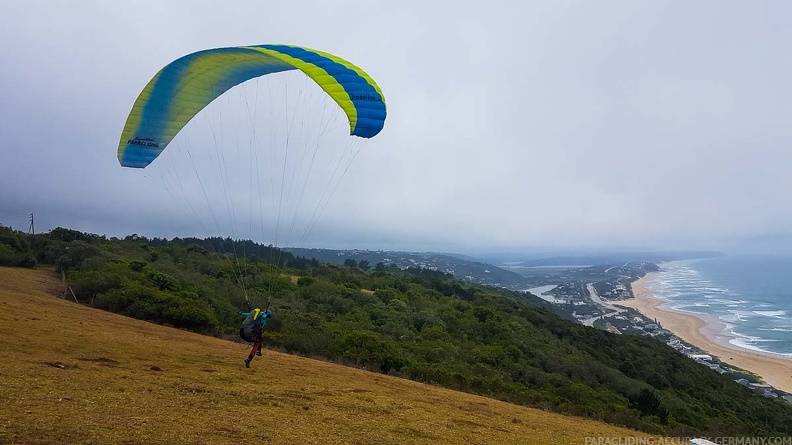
708 335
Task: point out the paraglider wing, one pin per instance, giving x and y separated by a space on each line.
185 86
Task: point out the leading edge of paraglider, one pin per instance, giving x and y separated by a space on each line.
185 86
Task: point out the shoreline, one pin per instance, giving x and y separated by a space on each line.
706 333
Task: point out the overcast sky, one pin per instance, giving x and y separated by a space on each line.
511 124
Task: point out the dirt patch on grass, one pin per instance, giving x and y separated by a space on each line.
101 360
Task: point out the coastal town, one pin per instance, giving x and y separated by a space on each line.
603 304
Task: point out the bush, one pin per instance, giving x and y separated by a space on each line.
368 349
137 265
14 249
92 283
164 281
183 311
72 255
10 257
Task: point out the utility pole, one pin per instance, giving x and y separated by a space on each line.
32 228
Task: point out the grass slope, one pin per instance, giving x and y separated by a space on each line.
73 374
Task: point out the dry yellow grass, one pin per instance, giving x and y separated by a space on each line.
70 374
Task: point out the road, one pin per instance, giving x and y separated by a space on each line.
602 304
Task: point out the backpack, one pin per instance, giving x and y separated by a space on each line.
249 327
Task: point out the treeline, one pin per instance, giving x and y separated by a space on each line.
415 323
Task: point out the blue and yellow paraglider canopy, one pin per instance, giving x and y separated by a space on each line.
185 86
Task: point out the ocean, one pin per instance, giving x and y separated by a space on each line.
751 295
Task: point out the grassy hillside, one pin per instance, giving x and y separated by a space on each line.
416 323
74 374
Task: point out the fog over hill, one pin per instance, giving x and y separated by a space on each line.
619 258
492 268
465 269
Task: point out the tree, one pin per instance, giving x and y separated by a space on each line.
350 262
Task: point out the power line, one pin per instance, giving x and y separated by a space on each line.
12 218
7 213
